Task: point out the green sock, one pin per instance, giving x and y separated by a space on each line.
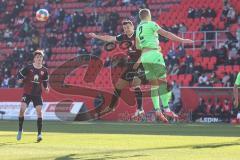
165 95
165 99
163 88
155 98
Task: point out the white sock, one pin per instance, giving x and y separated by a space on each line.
167 110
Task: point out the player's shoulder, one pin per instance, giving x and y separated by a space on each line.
147 23
153 23
120 37
120 34
44 67
28 66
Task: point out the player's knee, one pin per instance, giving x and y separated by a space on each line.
21 113
22 110
39 114
162 81
154 82
39 111
119 86
136 85
136 82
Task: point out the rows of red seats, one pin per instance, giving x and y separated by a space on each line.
183 79
177 14
228 69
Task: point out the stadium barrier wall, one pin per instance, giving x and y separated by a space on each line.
123 111
189 95
10 105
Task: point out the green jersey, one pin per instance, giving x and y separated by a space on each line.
147 35
237 82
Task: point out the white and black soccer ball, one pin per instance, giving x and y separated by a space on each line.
42 15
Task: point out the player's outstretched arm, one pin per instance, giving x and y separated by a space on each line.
106 38
173 37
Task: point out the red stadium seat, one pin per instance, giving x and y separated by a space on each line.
236 68
181 77
228 69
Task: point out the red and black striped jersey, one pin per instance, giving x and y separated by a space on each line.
133 52
33 78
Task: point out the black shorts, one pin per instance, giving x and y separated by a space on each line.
130 73
37 100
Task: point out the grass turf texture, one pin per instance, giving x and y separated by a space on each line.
131 141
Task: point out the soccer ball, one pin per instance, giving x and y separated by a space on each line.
42 15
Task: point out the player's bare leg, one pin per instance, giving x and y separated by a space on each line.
39 122
136 85
23 108
121 83
117 93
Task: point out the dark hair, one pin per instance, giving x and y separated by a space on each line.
38 52
127 21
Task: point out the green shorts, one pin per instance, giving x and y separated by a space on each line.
154 65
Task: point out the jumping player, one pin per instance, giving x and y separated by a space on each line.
235 90
126 78
33 76
147 40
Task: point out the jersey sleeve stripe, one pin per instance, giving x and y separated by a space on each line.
22 74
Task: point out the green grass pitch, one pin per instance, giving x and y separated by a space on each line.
120 141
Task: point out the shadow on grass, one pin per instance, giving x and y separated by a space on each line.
67 157
11 144
223 130
100 157
110 154
216 145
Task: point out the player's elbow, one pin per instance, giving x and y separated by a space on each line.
111 39
107 38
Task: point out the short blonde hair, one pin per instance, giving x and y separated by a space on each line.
144 13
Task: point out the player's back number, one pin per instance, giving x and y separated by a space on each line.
140 33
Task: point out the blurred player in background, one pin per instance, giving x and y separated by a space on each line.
153 62
128 76
235 94
235 90
33 77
